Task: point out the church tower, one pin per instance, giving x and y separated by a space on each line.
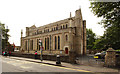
79 32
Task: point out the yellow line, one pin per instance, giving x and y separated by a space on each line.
68 68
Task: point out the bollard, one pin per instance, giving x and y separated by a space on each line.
58 62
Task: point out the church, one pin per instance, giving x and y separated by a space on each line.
59 37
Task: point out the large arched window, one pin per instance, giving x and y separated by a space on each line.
25 45
61 27
55 42
37 44
45 43
31 44
66 25
58 42
66 36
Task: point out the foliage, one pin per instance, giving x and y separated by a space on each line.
90 38
110 11
5 36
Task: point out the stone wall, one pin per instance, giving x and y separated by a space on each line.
64 58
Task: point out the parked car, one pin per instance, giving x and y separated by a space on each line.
100 55
103 53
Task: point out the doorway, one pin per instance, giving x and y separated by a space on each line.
66 50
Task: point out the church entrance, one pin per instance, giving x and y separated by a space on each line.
66 50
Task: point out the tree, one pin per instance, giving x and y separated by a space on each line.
5 36
110 11
90 38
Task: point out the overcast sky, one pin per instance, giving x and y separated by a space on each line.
19 14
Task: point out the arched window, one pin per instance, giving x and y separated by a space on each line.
25 45
45 43
31 44
55 42
66 37
56 28
37 44
58 42
66 25
61 27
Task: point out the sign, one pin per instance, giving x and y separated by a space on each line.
40 42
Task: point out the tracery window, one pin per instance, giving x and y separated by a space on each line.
58 42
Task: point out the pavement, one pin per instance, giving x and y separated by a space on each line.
68 65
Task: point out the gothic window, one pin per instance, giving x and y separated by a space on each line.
31 44
45 43
61 27
58 42
37 44
66 37
52 29
55 42
56 28
25 45
66 25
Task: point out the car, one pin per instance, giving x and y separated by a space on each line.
100 55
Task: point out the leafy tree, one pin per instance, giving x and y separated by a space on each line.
110 11
90 38
5 36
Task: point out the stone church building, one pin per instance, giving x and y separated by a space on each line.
59 37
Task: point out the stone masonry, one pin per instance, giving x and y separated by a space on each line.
57 38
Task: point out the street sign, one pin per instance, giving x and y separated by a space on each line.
40 42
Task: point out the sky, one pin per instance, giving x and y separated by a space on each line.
19 14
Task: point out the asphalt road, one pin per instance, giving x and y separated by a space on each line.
13 66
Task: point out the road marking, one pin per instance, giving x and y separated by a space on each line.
25 67
53 66
67 68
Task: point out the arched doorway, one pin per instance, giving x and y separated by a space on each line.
66 50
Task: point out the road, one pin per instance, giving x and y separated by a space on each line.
13 66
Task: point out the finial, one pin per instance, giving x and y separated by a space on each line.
79 6
70 15
21 32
